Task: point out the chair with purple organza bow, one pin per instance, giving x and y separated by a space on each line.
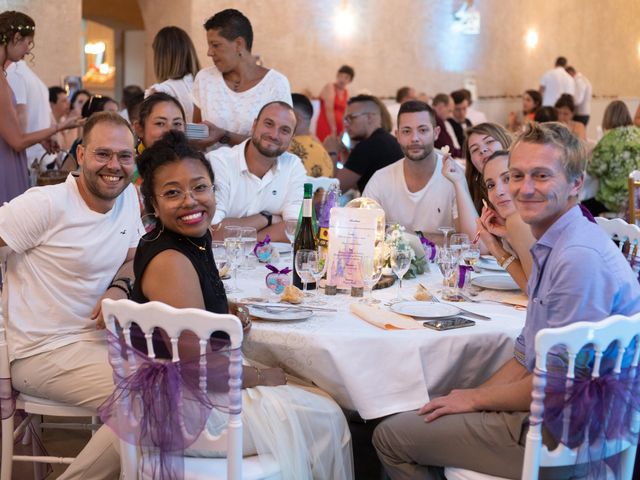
160 407
626 236
35 408
591 408
634 188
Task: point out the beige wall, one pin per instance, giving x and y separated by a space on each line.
395 42
58 30
410 42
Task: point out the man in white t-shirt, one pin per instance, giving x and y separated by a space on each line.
32 103
258 183
555 82
582 98
417 191
72 245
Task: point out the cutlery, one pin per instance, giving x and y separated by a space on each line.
501 302
466 313
276 307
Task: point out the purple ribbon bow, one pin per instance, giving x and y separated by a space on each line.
7 398
428 244
167 397
589 403
275 269
266 241
462 274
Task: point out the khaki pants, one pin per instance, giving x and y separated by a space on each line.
78 374
487 442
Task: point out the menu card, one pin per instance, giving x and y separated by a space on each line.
352 235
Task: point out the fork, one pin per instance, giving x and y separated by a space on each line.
462 310
473 300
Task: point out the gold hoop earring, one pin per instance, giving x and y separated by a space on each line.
155 228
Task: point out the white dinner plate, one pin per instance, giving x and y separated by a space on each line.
425 309
495 282
275 315
282 247
487 262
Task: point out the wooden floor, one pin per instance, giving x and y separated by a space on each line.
58 442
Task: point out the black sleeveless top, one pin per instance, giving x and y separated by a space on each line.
215 299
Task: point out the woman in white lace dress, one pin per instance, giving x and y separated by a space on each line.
229 95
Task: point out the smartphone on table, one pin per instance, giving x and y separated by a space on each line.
448 323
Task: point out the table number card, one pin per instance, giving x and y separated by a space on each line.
352 234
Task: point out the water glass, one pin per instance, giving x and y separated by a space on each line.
303 265
371 269
400 263
459 243
249 239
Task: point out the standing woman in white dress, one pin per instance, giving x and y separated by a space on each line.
229 95
175 64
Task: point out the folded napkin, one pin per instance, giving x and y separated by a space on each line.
517 298
384 318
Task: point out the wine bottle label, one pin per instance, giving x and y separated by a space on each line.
306 208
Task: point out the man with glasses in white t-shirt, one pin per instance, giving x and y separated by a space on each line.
72 245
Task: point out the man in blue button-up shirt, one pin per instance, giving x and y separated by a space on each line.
578 275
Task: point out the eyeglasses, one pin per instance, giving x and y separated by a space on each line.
199 192
104 155
350 117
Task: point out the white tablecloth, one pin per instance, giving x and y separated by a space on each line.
379 372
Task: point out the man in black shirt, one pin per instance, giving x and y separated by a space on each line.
376 148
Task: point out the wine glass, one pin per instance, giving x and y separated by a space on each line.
447 261
400 263
249 239
445 231
302 260
234 252
317 269
220 257
371 268
290 227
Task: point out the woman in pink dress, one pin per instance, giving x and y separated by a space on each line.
333 98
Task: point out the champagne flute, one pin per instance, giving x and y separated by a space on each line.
301 262
317 269
371 268
290 227
445 231
400 263
249 238
234 251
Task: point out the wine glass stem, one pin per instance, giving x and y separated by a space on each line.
235 278
399 286
304 287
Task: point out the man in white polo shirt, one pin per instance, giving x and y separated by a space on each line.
258 183
417 191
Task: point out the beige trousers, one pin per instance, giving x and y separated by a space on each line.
487 442
78 374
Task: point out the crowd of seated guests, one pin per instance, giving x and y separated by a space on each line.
137 166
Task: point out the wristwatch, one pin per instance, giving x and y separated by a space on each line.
225 139
268 216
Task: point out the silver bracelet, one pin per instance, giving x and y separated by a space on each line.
508 262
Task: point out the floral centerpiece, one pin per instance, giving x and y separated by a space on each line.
396 234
